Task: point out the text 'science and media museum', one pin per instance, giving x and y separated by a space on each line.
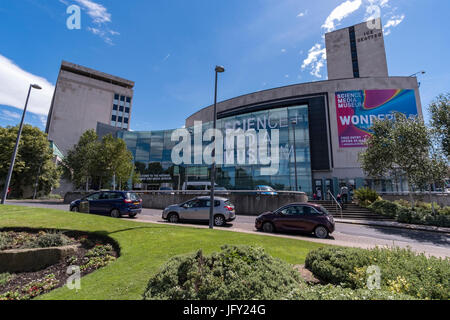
329 121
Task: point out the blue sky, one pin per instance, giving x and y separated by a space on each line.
170 47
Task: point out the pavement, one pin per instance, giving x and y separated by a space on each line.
431 241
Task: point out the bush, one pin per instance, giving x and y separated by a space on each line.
49 239
402 271
330 292
386 208
236 272
366 196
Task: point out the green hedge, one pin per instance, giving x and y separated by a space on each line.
420 214
402 271
243 273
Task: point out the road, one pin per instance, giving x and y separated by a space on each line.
363 236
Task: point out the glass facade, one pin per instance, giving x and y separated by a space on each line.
152 153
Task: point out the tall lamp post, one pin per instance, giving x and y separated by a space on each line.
219 69
13 158
294 123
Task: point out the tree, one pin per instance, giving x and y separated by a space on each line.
34 161
99 162
440 121
114 160
403 145
81 164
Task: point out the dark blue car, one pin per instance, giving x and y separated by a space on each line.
113 203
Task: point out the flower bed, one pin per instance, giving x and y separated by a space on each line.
92 254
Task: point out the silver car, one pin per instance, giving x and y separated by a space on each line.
197 209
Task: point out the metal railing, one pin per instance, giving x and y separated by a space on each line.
338 205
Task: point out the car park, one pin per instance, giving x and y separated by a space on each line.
297 217
197 209
113 203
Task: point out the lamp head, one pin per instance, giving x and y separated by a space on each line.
220 69
35 86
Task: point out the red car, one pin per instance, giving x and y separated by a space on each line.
303 217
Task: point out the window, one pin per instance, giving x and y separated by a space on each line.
121 108
119 119
122 98
128 99
119 124
114 113
125 126
94 196
113 118
125 120
113 123
116 96
127 110
115 107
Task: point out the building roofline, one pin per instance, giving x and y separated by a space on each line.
97 75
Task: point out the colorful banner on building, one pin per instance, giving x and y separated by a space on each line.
357 110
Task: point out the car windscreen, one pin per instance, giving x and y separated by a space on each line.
324 211
133 196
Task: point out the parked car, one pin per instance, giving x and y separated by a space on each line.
113 203
197 209
266 190
166 190
303 217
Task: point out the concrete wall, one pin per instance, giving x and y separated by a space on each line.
80 102
372 60
246 204
339 58
442 199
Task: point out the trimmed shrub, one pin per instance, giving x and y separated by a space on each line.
365 196
235 273
330 292
47 240
402 270
386 208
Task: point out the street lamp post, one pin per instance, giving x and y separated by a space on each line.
294 123
13 158
219 69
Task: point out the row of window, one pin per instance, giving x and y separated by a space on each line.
354 52
121 111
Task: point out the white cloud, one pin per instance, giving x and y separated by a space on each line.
14 88
283 50
302 14
100 17
315 60
11 115
392 23
96 11
339 13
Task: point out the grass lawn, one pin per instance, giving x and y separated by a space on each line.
144 248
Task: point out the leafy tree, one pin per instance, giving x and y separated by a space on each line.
99 161
440 121
34 160
403 145
81 164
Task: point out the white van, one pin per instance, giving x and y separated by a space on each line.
197 185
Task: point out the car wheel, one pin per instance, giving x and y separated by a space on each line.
75 209
321 232
115 213
268 227
219 220
173 218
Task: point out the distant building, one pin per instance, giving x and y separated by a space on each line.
357 52
84 97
